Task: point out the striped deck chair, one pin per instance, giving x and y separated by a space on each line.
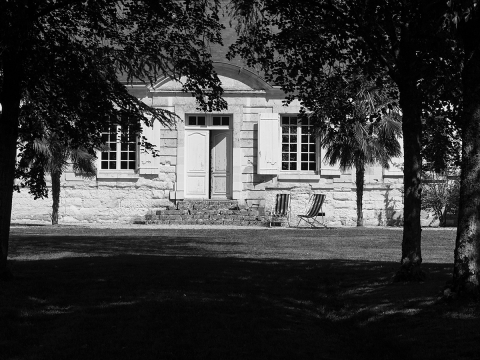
281 209
315 210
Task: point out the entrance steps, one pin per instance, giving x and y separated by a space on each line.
208 212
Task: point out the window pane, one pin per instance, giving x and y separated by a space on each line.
216 120
298 147
192 120
225 120
121 145
201 120
131 165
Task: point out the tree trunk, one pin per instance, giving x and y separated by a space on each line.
467 245
10 99
412 232
360 180
55 195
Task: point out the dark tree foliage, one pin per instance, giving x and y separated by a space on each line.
429 49
441 143
60 62
303 43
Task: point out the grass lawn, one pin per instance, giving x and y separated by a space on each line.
166 293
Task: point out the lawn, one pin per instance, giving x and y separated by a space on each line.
166 293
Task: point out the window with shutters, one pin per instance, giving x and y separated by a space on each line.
122 149
298 145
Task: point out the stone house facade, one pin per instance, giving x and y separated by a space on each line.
249 152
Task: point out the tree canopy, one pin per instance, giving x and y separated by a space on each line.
61 60
425 47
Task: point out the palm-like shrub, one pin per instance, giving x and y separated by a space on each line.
369 135
441 194
55 155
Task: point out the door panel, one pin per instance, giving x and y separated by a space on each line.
221 174
197 166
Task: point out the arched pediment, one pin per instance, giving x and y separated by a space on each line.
233 78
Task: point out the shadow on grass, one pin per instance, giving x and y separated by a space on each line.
203 307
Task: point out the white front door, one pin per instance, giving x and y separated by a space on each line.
197 144
220 164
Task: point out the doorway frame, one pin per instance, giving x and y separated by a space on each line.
237 112
207 125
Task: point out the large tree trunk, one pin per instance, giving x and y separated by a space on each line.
55 195
412 231
467 246
406 76
10 99
360 180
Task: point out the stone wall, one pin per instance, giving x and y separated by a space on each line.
103 200
382 204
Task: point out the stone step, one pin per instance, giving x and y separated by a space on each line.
233 217
243 212
207 212
208 205
205 222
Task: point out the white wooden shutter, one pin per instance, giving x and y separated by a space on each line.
268 159
148 164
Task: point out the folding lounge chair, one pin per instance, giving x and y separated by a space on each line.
316 203
281 209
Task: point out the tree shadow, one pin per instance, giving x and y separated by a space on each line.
203 307
393 217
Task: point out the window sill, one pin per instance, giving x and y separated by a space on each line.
330 172
298 177
117 175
